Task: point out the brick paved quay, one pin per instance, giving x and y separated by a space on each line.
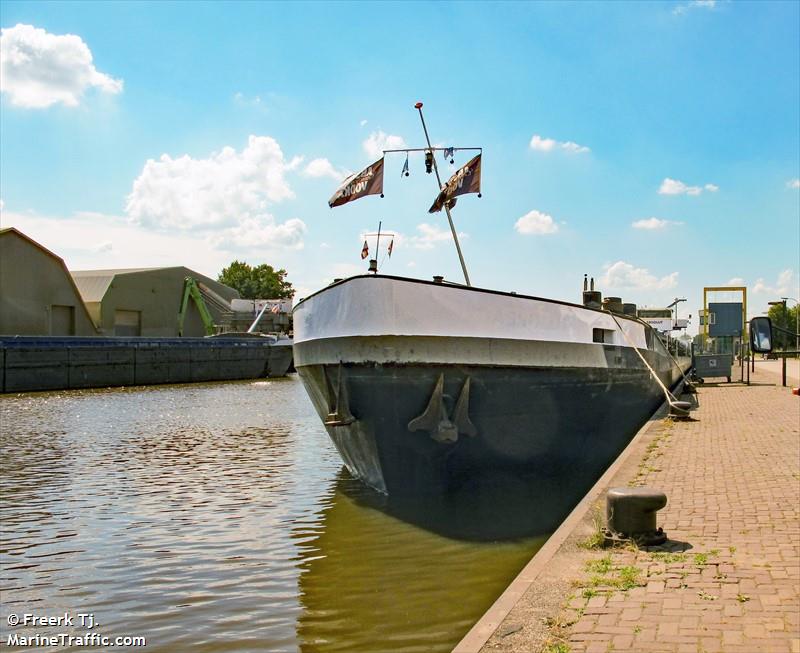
728 578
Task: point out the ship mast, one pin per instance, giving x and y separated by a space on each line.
418 107
370 182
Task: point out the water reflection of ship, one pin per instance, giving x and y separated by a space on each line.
390 575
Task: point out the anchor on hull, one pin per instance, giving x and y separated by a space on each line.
436 421
338 403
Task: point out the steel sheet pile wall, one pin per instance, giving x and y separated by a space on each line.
31 363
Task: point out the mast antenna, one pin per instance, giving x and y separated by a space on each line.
418 107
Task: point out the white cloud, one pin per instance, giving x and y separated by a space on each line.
785 285
736 281
694 4
429 236
541 144
622 275
675 187
793 183
324 168
535 223
653 223
242 100
89 240
378 141
221 191
39 69
362 123
261 233
105 246
224 197
570 146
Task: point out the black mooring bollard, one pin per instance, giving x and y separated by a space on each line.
679 409
631 514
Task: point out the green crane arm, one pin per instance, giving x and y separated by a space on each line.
190 289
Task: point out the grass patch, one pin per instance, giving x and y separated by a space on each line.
596 540
666 557
557 647
652 450
597 581
700 558
628 577
601 566
607 579
560 622
742 598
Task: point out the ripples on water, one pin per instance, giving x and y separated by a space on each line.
217 518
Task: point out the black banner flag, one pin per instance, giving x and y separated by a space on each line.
467 179
367 182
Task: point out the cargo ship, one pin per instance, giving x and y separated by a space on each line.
418 394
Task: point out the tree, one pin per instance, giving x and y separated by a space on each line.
785 318
260 282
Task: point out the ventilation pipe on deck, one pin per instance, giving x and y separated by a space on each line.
591 297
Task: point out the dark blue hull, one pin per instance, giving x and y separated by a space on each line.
561 423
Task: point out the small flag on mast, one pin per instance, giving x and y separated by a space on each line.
367 182
365 250
391 246
467 179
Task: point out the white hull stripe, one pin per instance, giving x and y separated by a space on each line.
423 350
382 306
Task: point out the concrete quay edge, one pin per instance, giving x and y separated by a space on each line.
485 627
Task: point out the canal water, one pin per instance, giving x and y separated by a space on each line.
218 517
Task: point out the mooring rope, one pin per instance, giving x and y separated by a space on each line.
670 397
683 374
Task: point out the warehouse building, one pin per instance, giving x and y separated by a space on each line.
146 302
37 294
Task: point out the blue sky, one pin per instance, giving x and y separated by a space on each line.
196 133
